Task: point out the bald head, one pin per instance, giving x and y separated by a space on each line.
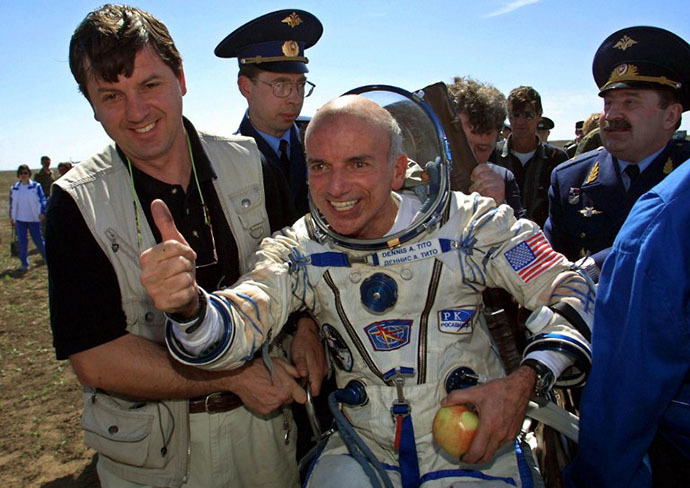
366 112
354 162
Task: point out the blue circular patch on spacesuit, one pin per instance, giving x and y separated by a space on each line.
378 293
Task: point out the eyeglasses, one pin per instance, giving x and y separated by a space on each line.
205 261
522 115
283 89
22 173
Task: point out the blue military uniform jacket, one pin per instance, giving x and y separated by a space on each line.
296 174
588 202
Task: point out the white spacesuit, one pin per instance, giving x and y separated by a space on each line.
402 318
418 308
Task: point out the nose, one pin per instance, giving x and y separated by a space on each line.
612 110
294 96
137 108
338 183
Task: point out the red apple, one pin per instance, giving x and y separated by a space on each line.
454 428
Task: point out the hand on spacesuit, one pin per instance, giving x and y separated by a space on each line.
168 270
488 183
260 393
501 405
308 354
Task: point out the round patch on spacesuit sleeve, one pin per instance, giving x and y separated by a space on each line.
341 354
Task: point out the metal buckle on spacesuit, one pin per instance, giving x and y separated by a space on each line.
365 259
401 406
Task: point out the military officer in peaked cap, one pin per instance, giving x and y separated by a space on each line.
643 75
544 127
270 53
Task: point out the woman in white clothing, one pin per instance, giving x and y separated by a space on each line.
27 211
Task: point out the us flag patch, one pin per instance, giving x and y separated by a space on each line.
532 257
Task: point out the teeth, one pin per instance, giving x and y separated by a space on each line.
343 206
145 129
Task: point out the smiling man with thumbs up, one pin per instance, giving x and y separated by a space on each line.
155 423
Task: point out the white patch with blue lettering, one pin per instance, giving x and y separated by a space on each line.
456 320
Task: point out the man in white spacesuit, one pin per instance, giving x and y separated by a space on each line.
395 284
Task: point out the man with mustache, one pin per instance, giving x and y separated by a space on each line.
643 75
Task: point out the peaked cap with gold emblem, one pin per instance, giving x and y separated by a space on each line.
273 42
644 57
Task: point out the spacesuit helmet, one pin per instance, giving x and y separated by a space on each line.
428 174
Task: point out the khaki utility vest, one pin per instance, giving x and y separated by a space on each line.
101 188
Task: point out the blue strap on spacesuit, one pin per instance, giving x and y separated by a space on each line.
407 455
355 445
404 438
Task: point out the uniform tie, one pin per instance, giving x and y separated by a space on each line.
284 154
633 171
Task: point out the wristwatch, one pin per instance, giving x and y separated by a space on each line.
545 377
190 324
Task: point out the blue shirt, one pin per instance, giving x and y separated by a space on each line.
274 141
639 385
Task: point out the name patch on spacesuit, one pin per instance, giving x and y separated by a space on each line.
532 257
409 253
388 335
456 321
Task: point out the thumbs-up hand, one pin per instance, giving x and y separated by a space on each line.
168 270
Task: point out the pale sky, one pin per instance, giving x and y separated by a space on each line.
548 44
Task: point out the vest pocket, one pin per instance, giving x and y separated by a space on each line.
131 433
247 205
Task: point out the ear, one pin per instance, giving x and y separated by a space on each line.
245 85
399 171
181 80
672 114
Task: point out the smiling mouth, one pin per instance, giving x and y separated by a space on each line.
343 206
145 129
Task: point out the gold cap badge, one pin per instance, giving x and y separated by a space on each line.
290 49
624 43
292 20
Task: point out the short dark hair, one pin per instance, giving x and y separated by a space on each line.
523 95
483 104
108 39
23 167
43 158
249 70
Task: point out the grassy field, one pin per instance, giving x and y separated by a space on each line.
40 398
